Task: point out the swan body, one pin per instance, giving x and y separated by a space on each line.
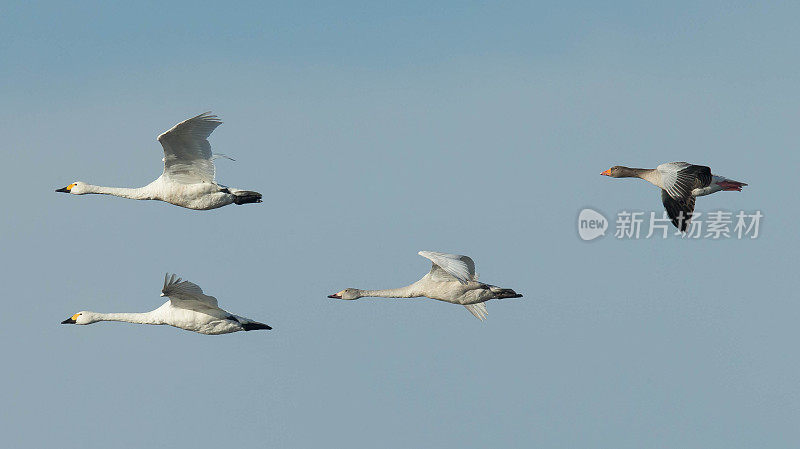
680 184
188 176
452 279
188 308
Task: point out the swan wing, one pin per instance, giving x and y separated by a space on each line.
187 153
186 295
448 266
678 179
479 310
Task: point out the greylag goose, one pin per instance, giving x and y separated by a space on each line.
452 279
680 183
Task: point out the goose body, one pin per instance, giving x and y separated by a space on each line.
680 184
188 176
188 308
452 279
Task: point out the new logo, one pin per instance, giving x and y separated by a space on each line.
591 224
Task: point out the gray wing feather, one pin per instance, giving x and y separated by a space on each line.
679 210
680 178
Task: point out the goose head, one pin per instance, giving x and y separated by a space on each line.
82 317
616 171
348 294
621 171
76 188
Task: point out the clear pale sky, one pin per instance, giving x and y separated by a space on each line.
375 131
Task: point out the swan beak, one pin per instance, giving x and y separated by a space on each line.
67 189
335 296
606 173
68 321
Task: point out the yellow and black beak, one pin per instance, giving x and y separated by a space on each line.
70 320
66 189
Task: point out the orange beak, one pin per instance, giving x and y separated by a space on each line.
606 173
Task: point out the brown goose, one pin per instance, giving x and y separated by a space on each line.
680 183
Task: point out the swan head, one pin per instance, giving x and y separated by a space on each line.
348 294
82 317
76 188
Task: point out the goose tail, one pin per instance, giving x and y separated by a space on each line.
731 185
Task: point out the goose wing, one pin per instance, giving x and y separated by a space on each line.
187 295
679 210
187 153
479 310
449 266
678 179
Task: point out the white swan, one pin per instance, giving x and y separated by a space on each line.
452 279
188 177
188 308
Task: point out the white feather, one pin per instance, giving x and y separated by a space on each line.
460 267
187 153
479 310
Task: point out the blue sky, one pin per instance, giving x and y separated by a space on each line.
375 131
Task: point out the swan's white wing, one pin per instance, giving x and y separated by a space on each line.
186 294
680 178
187 153
479 310
460 267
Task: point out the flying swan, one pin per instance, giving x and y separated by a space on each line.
452 279
188 308
680 183
188 177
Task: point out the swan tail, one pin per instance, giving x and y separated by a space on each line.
502 293
254 326
245 196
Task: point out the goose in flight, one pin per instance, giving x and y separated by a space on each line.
452 279
188 177
188 308
680 183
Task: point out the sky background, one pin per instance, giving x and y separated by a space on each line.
375 130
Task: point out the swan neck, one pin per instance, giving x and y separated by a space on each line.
402 292
138 318
138 193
